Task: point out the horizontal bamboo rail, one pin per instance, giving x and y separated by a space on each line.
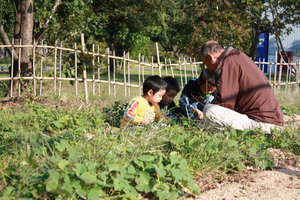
185 68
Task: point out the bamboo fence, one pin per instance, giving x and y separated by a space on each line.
183 71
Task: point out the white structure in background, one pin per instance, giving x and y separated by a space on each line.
291 44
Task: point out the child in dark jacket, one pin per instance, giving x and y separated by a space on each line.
167 104
197 93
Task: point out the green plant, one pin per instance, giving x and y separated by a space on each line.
115 113
290 110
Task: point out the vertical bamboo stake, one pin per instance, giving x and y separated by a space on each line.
76 71
55 60
158 59
166 68
124 68
192 67
270 69
114 64
180 73
280 73
108 70
84 72
12 68
185 78
298 72
263 66
41 80
93 69
172 72
275 68
152 66
139 75
143 72
287 74
99 86
60 58
33 67
128 76
196 69
19 67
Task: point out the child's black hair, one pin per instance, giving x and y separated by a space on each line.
172 83
154 83
207 76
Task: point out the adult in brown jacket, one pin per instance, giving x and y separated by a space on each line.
244 97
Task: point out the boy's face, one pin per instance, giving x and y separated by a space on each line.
207 88
157 97
169 96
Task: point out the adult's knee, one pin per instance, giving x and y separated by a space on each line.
209 110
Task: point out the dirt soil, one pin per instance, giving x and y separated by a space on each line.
282 183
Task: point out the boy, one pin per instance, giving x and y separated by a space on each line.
143 110
196 93
167 104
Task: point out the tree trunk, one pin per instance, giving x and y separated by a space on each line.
26 34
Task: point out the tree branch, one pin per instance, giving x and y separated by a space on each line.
53 10
6 41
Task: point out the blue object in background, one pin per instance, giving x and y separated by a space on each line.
262 50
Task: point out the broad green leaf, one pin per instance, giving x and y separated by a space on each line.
88 177
173 195
143 181
160 170
194 143
174 159
146 158
119 184
58 146
162 194
131 169
67 188
232 143
177 139
52 181
175 174
58 124
64 143
131 192
79 169
191 185
81 193
62 164
183 164
139 163
93 195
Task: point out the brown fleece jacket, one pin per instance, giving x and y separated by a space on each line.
242 86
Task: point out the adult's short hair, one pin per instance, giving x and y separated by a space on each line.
154 83
207 76
211 47
172 83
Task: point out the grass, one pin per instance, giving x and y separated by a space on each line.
58 147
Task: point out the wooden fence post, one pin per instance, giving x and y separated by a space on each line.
158 59
19 67
12 68
84 72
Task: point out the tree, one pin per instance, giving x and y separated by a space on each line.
225 21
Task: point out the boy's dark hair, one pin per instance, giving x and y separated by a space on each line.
207 76
172 83
154 83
